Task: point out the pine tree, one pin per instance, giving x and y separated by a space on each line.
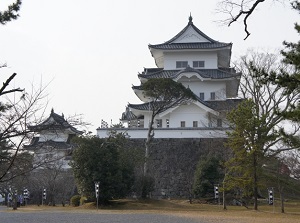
11 13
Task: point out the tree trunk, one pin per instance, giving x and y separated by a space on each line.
280 188
147 144
150 135
224 201
281 200
255 187
15 201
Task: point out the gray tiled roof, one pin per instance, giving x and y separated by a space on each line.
184 46
139 87
225 105
128 115
59 124
205 73
35 145
144 106
168 45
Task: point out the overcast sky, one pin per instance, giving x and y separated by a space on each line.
92 51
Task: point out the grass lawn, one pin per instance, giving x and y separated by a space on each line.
205 212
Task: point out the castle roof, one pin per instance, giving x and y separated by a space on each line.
36 145
54 122
128 115
190 38
220 73
218 106
225 105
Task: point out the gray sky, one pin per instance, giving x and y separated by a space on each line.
91 51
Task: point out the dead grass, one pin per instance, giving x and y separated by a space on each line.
182 208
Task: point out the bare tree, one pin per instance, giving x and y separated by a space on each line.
270 99
292 160
58 182
18 108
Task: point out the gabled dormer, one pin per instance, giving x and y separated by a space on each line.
191 47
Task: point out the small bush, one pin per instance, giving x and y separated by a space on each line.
75 200
144 185
83 200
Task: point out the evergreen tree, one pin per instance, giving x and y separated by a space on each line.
11 13
105 161
163 93
290 81
244 167
208 173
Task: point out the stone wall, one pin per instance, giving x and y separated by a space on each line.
173 162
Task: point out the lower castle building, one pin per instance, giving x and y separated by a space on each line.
51 144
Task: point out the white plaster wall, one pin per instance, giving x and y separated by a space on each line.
207 87
164 120
168 133
54 156
188 113
54 136
210 58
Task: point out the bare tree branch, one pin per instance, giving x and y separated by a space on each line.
270 99
239 10
5 85
15 116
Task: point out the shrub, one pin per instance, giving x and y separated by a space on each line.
144 185
75 200
83 200
208 173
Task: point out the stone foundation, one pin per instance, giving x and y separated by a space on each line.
173 162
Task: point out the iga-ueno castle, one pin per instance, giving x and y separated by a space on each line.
199 63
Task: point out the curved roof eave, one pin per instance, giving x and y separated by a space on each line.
139 108
191 46
209 74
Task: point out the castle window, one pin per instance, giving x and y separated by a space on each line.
202 96
198 64
212 96
195 124
168 123
158 123
182 124
181 64
219 122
